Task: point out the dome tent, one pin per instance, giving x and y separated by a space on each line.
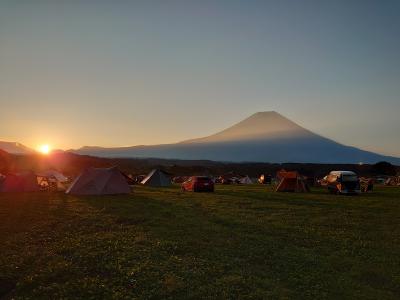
99 181
291 182
20 182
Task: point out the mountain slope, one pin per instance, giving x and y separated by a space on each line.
263 137
261 125
15 148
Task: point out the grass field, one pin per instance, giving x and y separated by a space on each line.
240 242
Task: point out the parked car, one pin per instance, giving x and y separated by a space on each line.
198 184
343 182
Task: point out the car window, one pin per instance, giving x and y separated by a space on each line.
349 177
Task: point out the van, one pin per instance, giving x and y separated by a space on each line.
343 182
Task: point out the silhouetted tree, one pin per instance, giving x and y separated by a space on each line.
384 168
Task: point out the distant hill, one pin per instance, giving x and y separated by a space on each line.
263 137
72 164
15 148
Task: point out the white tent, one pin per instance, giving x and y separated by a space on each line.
52 180
51 173
157 178
245 180
99 181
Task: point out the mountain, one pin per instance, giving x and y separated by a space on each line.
15 148
260 126
263 137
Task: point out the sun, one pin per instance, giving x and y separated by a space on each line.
44 149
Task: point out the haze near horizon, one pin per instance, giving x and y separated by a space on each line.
123 74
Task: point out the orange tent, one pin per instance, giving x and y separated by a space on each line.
291 182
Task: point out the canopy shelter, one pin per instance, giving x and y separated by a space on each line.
20 182
99 181
157 178
291 182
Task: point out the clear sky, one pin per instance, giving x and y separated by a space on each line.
117 73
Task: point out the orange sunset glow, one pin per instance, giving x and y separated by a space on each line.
44 149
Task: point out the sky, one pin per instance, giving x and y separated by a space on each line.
121 73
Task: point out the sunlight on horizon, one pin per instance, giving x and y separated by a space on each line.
44 149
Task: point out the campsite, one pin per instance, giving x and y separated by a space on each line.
241 241
86 227
199 150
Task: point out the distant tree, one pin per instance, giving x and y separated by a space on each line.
384 168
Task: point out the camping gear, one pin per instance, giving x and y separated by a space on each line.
291 182
20 182
99 181
367 185
157 178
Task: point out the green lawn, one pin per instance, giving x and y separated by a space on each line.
240 242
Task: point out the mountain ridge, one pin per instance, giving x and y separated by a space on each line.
15 148
262 137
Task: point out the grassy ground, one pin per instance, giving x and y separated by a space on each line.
240 242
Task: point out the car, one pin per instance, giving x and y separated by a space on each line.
198 184
343 182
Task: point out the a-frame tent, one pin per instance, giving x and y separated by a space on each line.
157 178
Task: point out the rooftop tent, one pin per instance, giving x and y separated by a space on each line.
291 182
20 182
157 178
99 181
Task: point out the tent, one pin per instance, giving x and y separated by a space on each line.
246 180
157 178
393 181
20 182
55 174
52 180
128 178
291 182
99 181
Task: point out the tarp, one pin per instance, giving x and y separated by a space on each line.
99 181
20 182
157 178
